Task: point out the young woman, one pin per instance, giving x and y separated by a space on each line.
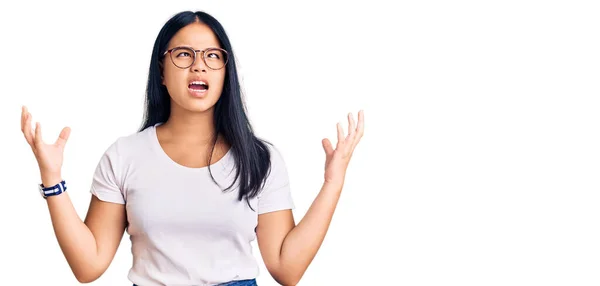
194 186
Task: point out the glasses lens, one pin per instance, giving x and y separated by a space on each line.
182 57
215 58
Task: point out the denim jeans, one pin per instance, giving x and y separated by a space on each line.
249 282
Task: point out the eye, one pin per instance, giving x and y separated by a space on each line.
183 54
214 55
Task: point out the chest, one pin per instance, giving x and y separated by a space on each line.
175 203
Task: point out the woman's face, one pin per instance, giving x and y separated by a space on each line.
195 88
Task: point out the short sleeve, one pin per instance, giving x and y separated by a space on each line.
276 194
105 182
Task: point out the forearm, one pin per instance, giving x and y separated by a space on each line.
74 238
302 243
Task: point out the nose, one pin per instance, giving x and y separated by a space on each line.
198 65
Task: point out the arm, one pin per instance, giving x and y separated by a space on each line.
88 246
287 249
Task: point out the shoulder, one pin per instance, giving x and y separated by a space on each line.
278 169
130 144
275 154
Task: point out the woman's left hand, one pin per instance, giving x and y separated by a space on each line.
337 159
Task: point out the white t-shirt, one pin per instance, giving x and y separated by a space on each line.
184 230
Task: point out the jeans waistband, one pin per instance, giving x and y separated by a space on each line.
248 282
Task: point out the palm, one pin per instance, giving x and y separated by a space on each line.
337 160
48 156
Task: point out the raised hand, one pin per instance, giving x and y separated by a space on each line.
337 160
48 156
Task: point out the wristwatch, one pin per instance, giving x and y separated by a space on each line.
52 190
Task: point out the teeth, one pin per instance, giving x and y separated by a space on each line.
199 82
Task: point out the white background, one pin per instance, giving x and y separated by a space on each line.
479 164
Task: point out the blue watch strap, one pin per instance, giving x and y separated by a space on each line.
53 190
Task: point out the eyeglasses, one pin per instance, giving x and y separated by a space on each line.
185 57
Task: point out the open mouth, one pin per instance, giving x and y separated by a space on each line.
198 86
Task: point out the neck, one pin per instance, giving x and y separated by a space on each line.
191 128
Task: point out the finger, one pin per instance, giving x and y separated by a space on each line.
27 130
38 134
351 125
327 146
360 129
340 135
63 137
23 118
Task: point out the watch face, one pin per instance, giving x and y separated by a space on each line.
41 190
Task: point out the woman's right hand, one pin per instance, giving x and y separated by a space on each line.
48 156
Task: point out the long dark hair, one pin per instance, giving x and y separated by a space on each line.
251 154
